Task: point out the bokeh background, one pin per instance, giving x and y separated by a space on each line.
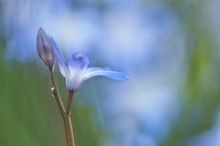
169 48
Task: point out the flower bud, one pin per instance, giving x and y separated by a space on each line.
44 48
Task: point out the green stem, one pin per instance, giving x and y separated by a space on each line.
65 113
56 94
69 102
69 130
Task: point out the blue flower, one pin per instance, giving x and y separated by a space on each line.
76 70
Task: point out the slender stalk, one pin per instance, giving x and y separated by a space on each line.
69 130
68 121
69 102
56 95
66 116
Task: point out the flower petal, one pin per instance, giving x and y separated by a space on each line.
81 60
78 64
95 71
60 59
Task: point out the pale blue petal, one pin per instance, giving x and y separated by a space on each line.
80 60
59 57
72 84
95 71
69 83
78 63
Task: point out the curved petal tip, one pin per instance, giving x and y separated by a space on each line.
115 75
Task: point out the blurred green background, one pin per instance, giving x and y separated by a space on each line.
30 117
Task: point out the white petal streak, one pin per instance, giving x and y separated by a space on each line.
95 71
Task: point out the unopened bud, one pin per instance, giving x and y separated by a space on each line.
44 48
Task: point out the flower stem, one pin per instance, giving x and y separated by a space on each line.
66 116
69 130
68 121
69 102
56 95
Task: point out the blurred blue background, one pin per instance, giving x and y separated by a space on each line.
169 48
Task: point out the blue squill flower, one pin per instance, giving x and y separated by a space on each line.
76 70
